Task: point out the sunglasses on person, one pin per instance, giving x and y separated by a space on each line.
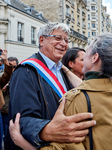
59 38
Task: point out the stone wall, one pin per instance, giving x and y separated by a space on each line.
49 8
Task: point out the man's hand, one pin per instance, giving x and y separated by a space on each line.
67 128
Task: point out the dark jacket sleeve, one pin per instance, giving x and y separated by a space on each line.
25 97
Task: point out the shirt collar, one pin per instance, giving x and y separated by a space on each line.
51 63
95 75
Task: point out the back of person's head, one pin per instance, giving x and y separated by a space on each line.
71 55
48 29
102 45
13 59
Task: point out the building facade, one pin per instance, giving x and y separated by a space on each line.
19 25
97 18
71 12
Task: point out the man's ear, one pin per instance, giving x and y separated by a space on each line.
41 41
95 58
70 63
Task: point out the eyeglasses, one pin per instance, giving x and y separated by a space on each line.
59 38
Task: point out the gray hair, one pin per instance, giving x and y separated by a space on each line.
102 45
48 29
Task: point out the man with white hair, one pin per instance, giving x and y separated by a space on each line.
36 86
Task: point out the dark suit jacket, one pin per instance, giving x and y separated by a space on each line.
37 107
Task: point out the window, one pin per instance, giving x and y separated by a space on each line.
20 32
33 35
88 25
88 34
78 20
67 10
78 30
88 17
73 44
88 42
93 7
93 16
83 33
93 33
32 7
72 14
93 25
88 8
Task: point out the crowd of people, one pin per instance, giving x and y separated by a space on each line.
7 66
47 107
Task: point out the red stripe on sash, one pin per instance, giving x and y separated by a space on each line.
48 71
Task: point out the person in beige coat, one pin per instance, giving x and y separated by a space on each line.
98 85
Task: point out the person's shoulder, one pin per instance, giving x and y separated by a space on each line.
72 94
75 102
35 55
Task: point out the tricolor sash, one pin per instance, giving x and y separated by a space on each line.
47 74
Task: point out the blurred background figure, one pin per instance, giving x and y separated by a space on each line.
73 60
13 61
4 79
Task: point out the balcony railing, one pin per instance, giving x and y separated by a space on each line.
83 26
78 10
83 13
69 1
68 15
73 19
78 23
72 4
78 35
108 23
93 18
